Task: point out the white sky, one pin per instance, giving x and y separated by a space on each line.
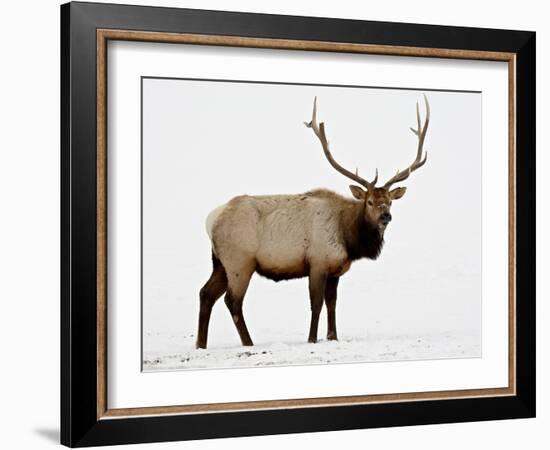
206 142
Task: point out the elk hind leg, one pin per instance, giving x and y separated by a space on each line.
330 302
209 294
238 281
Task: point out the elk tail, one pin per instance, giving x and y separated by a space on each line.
211 220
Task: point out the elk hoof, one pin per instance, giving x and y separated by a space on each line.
200 345
332 337
312 340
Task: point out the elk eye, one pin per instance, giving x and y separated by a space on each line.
370 203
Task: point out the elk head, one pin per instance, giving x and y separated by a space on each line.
377 200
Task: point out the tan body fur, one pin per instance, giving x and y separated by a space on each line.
283 236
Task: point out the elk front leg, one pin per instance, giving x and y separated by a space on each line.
317 283
330 302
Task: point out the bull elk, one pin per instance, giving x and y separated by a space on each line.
317 234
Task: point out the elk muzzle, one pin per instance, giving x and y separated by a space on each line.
385 218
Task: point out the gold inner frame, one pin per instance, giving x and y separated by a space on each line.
103 36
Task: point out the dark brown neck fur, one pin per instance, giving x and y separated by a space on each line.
362 239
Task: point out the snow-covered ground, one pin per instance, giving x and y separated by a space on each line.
419 318
178 352
434 315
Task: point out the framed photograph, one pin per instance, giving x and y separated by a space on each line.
277 224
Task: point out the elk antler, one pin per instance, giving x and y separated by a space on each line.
319 131
418 162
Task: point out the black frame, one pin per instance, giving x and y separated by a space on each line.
79 423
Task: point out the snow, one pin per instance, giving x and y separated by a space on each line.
383 323
418 318
178 352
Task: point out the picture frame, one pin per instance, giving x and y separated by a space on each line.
86 30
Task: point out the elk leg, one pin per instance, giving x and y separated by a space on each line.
210 292
330 302
237 285
317 284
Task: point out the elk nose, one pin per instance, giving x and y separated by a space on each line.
386 217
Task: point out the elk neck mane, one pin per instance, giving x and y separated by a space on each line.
362 239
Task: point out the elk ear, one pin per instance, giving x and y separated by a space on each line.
357 192
397 193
